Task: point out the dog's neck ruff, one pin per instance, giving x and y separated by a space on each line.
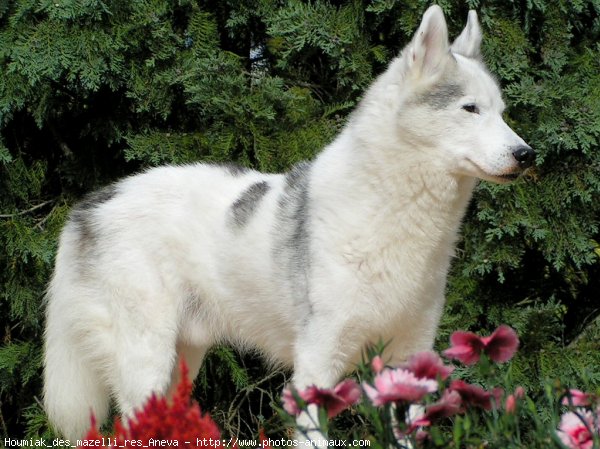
390 192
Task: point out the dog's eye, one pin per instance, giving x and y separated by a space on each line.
471 107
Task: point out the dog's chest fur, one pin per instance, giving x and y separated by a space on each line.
397 236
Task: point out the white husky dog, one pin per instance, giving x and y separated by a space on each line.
308 267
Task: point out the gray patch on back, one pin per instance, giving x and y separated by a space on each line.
292 249
441 95
235 169
243 208
82 216
94 199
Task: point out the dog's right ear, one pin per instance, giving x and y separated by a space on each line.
429 49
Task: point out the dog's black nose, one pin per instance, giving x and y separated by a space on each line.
524 155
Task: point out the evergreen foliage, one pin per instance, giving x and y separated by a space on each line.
93 90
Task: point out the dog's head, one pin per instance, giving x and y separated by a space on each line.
453 106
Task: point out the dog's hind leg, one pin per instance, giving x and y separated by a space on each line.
143 369
193 357
144 351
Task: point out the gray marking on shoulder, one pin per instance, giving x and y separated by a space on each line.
243 208
442 95
292 249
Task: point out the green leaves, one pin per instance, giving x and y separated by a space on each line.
299 29
22 356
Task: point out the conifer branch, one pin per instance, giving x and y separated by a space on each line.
27 211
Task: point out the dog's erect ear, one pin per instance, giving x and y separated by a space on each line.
429 48
469 42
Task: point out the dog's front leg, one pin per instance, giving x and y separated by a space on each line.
321 358
308 431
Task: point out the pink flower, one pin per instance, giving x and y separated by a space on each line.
476 396
398 385
429 365
502 344
577 398
342 396
422 437
467 347
510 405
449 404
575 432
290 404
377 364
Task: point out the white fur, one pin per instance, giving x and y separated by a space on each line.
160 270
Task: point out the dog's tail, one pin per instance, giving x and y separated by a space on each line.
73 390
73 387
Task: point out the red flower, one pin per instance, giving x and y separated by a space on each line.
336 400
476 396
178 419
264 441
429 365
467 347
93 434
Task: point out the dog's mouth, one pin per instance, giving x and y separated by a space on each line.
510 176
500 179
503 179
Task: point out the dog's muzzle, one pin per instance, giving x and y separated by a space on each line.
525 156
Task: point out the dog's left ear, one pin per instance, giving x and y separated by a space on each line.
469 42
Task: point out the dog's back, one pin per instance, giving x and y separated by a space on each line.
140 264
